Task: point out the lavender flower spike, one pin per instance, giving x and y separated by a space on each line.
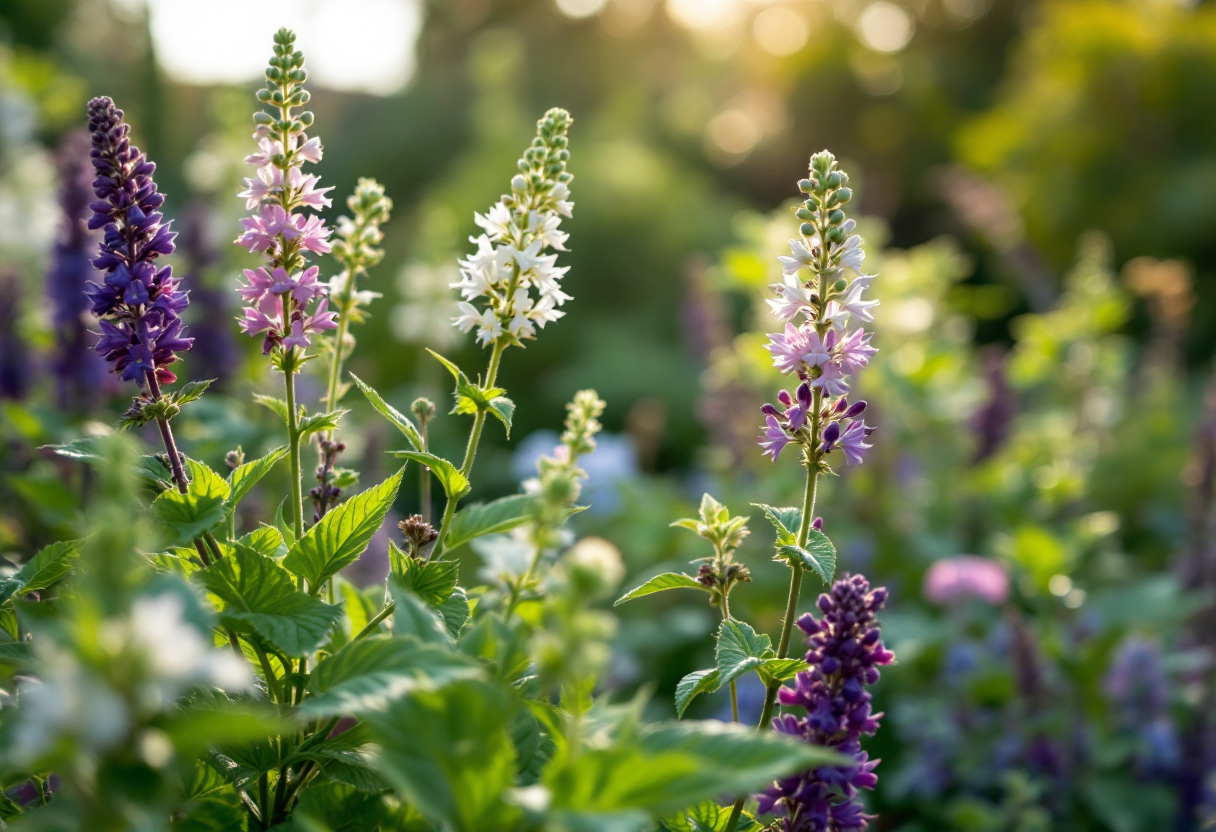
139 304
846 651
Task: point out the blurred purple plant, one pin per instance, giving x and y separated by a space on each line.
215 353
139 304
951 580
14 357
846 652
1138 688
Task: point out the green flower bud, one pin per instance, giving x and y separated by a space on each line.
841 284
836 217
806 186
806 229
804 213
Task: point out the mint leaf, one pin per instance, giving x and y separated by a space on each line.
455 484
695 683
819 556
668 580
480 519
740 650
399 420
242 480
787 522
191 514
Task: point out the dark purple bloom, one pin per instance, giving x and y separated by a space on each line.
845 652
215 354
79 373
15 365
140 304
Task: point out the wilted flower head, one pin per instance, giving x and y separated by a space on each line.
139 304
520 283
950 580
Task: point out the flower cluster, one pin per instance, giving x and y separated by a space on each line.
78 372
355 248
140 305
279 295
845 652
510 259
718 573
817 344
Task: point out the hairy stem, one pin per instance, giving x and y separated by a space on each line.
470 451
293 447
375 622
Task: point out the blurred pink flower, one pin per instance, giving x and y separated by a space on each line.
953 579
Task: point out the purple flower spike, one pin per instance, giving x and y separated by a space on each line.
846 651
140 305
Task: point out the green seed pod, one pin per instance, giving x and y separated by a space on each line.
264 96
262 118
806 185
804 213
836 217
806 229
835 235
840 285
843 196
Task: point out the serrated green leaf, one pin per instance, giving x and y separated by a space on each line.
399 419
659 583
369 674
455 612
449 753
456 372
246 476
480 519
191 514
740 650
276 406
708 817
283 525
50 565
504 410
414 618
432 581
779 670
819 556
320 421
191 391
265 540
694 684
259 597
455 484
342 534
787 522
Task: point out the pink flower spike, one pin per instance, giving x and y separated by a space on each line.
259 285
310 151
313 234
774 439
307 287
787 348
831 380
323 319
256 321
855 350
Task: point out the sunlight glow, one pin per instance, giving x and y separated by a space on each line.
229 41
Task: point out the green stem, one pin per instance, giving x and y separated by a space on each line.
734 692
293 445
791 604
470 451
264 796
335 369
380 616
425 474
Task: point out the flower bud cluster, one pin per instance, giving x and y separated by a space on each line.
845 653
356 246
818 308
718 573
510 261
139 304
279 295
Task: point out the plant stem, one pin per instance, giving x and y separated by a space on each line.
734 692
264 795
425 474
293 445
791 604
380 616
470 451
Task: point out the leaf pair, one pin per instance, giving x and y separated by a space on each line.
472 398
740 650
209 498
42 571
818 555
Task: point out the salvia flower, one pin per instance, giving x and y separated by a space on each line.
821 302
845 653
139 304
519 283
281 295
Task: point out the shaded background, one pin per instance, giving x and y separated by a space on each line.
1036 183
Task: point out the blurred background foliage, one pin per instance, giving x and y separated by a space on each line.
1038 181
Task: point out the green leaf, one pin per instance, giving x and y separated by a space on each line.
455 484
480 519
342 534
265 540
819 556
370 674
191 514
414 618
319 422
284 526
191 391
503 409
456 372
695 683
259 597
449 753
740 650
787 522
432 581
399 419
246 476
348 758
779 670
668 580
276 406
48 566
708 817
455 612
14 655
674 765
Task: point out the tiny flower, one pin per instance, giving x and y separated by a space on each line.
797 414
853 442
774 439
788 347
855 350
792 299
801 257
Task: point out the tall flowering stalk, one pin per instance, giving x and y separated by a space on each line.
845 653
355 249
824 344
281 294
139 303
510 275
